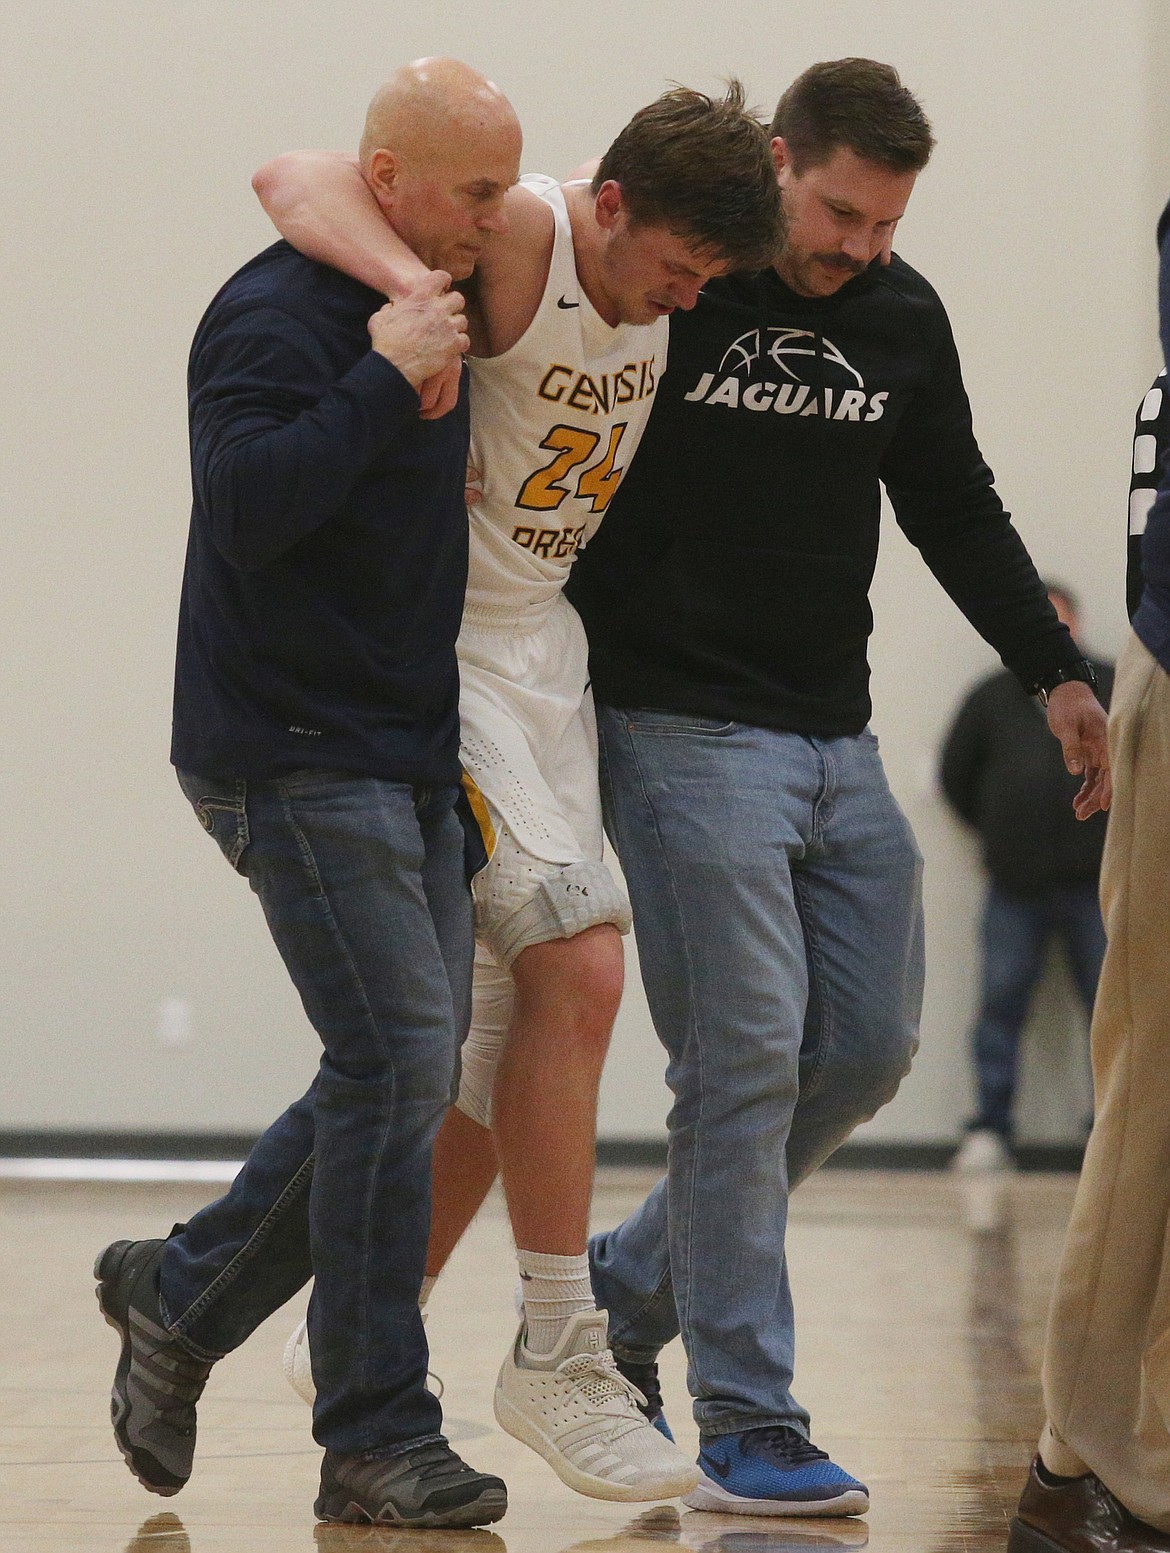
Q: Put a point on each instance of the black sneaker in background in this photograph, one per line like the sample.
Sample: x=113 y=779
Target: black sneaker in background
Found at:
x=427 y=1485
x=158 y=1381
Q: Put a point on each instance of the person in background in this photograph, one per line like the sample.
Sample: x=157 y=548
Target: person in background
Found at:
x=1003 y=774
x=1100 y=1480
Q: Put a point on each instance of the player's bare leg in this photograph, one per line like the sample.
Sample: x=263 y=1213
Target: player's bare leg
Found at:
x=559 y=1390
x=461 y=1177
x=545 y=1099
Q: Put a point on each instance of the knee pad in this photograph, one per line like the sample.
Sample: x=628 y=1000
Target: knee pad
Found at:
x=492 y=995
x=563 y=903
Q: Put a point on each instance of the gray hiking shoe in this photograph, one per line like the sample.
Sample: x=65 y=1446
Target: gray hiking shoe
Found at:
x=426 y=1486
x=157 y=1382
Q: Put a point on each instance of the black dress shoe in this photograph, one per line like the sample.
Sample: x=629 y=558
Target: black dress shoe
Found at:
x=1078 y=1515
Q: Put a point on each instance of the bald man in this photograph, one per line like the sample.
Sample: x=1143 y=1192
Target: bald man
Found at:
x=316 y=734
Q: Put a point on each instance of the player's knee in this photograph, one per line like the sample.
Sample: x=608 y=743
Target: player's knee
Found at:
x=601 y=973
x=563 y=905
x=598 y=976
x=568 y=992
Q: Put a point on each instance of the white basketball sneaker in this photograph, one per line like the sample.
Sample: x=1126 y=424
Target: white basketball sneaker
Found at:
x=297 y=1365
x=575 y=1408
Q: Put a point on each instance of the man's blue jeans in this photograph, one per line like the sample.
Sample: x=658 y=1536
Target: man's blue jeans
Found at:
x=776 y=889
x=1016 y=931
x=363 y=884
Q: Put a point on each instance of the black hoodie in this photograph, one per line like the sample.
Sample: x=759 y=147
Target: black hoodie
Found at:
x=732 y=573
x=1004 y=774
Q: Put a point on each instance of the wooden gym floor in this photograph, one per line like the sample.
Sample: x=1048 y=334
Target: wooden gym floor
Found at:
x=920 y=1312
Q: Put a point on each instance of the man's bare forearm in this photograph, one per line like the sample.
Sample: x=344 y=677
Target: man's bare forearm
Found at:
x=320 y=203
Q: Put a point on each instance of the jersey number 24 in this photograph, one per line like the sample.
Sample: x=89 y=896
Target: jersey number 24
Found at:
x=543 y=490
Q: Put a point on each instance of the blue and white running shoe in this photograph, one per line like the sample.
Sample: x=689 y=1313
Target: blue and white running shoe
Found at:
x=773 y=1471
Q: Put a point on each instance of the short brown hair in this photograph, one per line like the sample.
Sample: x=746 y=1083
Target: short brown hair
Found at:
x=859 y=104
x=702 y=167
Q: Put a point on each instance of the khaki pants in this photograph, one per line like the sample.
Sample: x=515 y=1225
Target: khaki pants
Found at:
x=1107 y=1359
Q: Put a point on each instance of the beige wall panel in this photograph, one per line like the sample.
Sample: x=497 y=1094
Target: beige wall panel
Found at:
x=138 y=986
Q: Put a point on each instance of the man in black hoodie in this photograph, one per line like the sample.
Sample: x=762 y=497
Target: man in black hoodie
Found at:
x=1002 y=773
x=775 y=882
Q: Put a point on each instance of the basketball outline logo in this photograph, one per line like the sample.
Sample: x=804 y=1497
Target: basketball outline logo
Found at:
x=742 y=354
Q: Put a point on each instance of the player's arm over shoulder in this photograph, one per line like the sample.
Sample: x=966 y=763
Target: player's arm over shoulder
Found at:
x=513 y=270
x=320 y=202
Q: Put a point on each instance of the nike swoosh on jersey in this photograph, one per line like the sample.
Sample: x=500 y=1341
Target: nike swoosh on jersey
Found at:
x=564 y=302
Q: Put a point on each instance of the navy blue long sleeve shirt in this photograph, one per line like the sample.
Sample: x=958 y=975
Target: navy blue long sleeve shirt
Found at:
x=1152 y=620
x=327 y=558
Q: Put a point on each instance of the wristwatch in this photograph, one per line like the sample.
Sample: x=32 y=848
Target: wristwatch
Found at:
x=1082 y=670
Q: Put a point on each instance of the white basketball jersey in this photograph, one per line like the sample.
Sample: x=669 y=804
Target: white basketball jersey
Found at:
x=554 y=422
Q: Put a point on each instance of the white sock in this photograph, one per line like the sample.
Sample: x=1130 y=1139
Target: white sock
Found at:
x=424 y=1293
x=555 y=1289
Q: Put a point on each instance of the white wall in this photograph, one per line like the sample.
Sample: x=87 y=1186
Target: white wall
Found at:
x=130 y=130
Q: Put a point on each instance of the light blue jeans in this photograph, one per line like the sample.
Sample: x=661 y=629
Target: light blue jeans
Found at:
x=776 y=889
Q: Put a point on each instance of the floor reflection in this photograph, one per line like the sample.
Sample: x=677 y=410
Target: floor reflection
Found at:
x=985 y=1201
x=663 y=1527
x=699 y=1531
x=336 y=1538
x=1006 y=1387
x=757 y=1534
x=160 y=1534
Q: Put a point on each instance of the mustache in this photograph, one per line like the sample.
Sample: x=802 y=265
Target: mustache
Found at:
x=840 y=261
